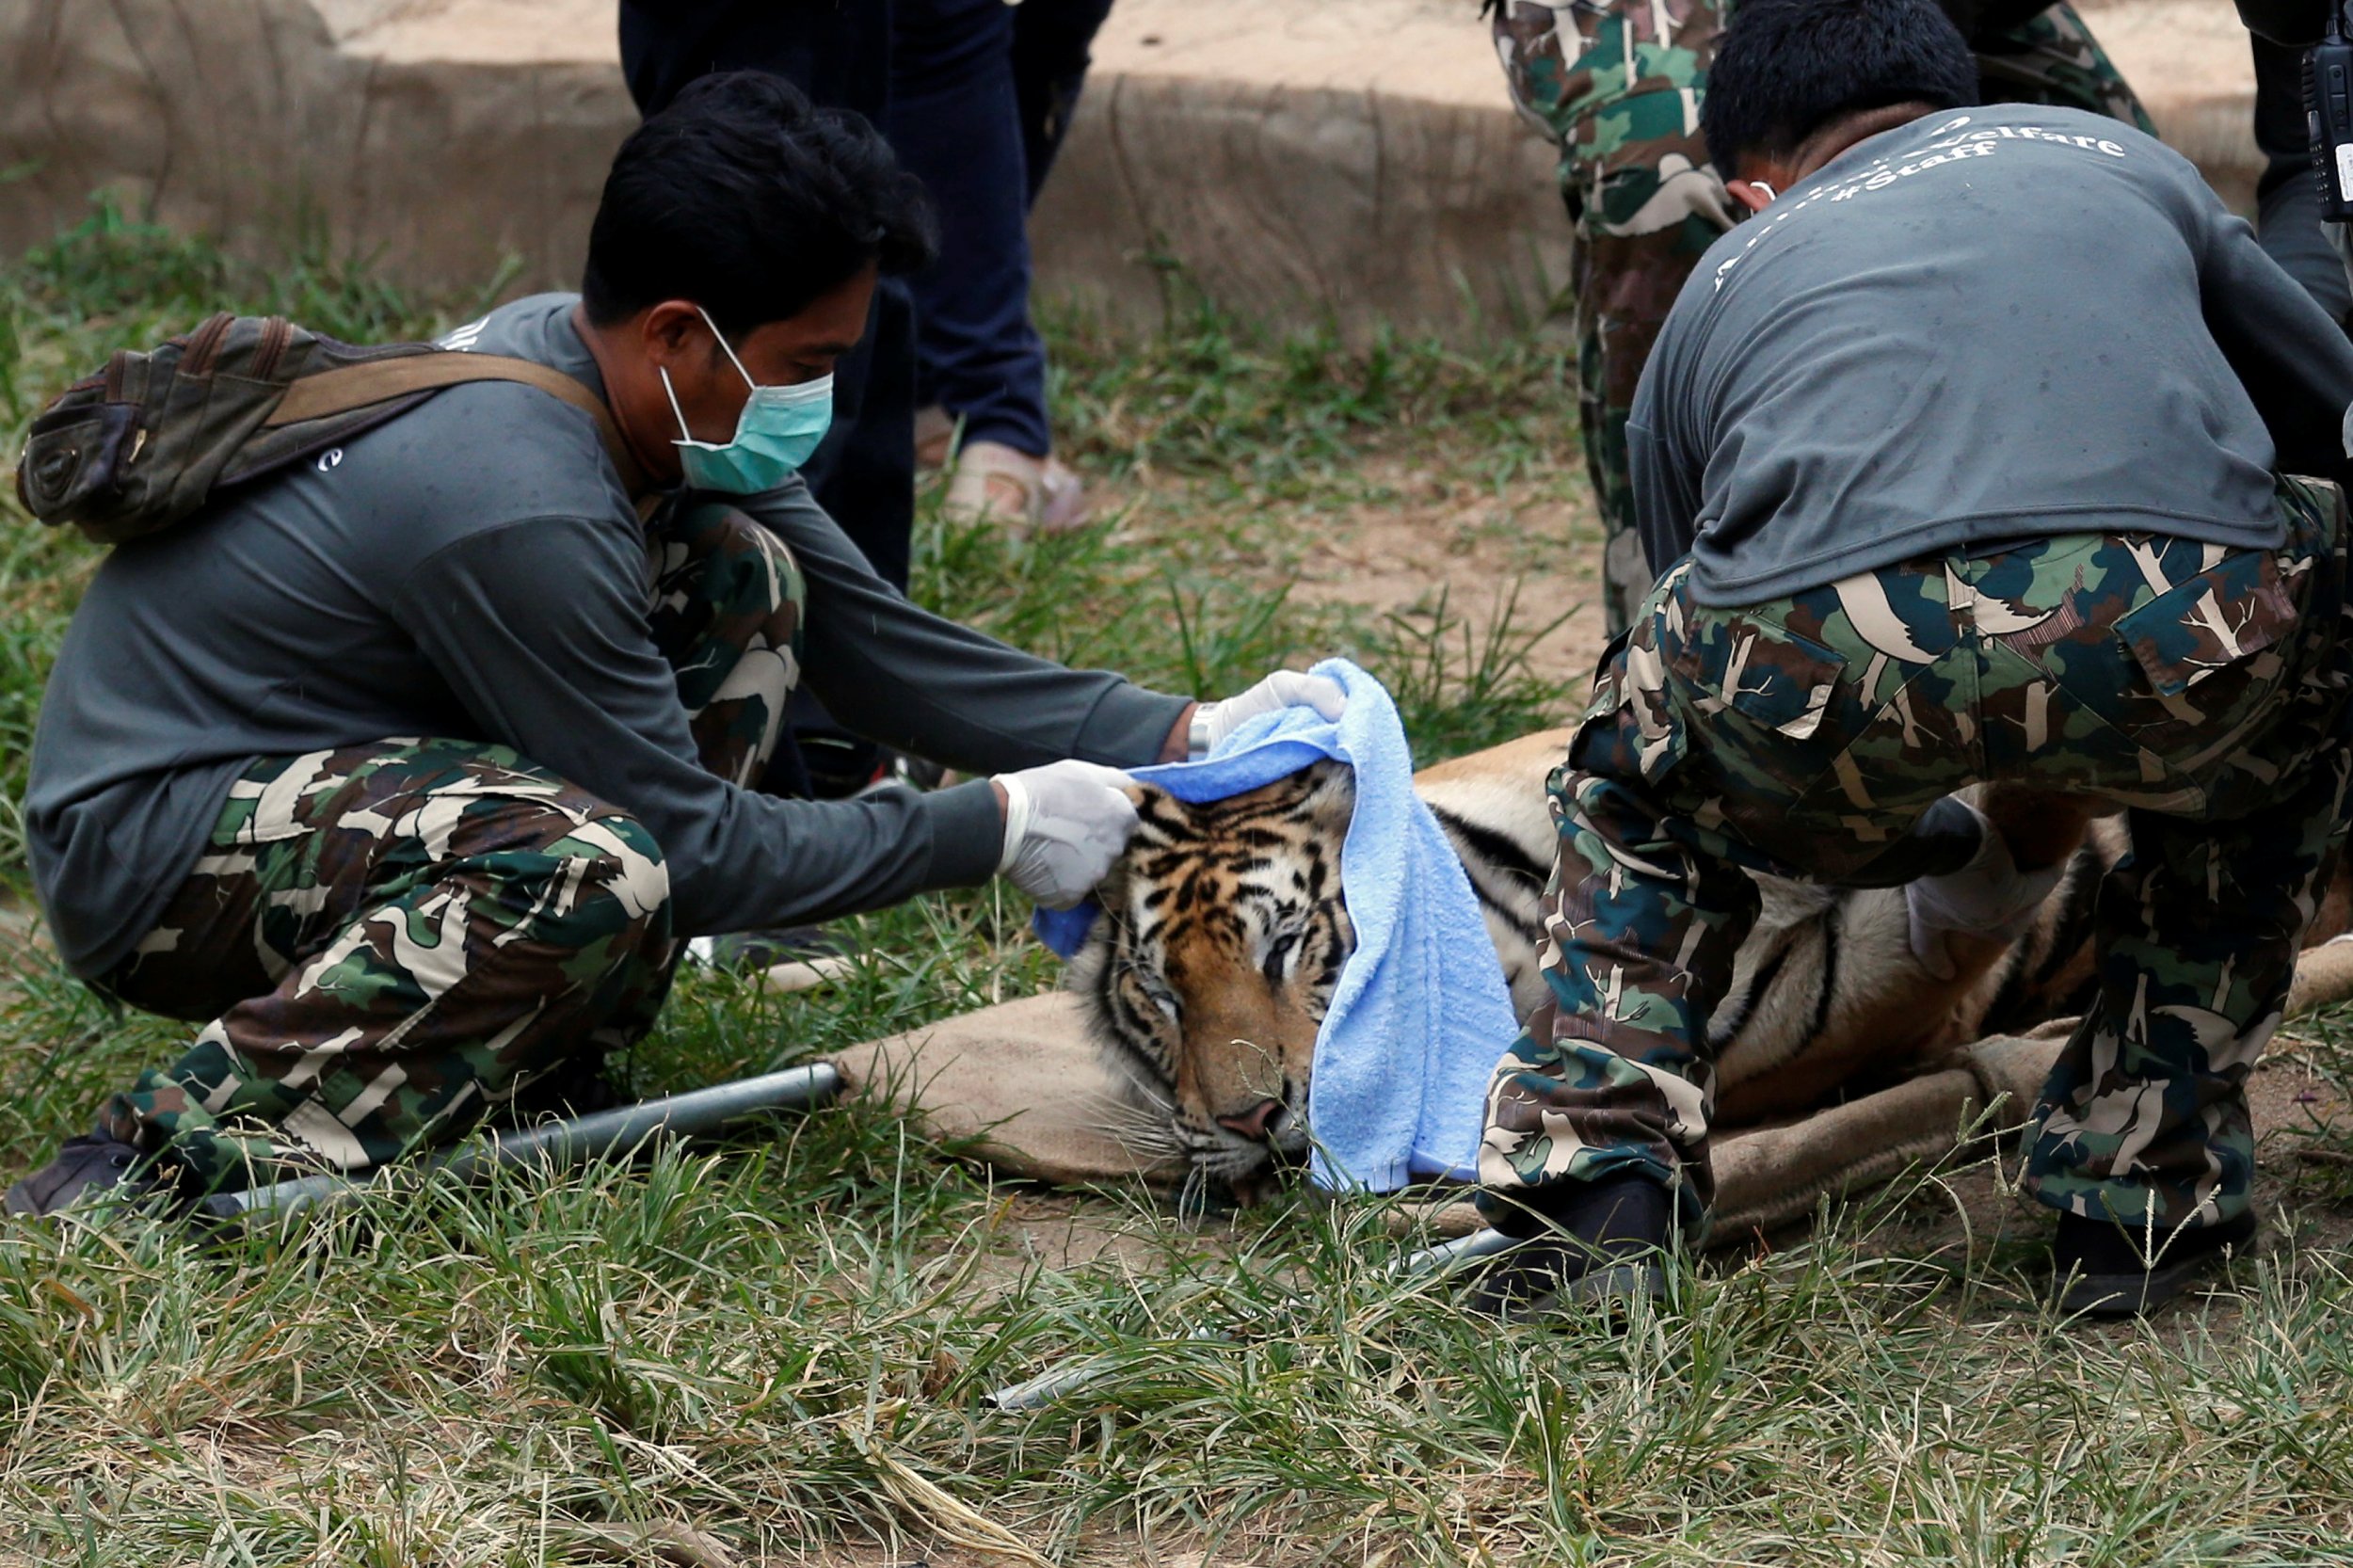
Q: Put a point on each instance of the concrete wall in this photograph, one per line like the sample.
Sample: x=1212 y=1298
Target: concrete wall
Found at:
x=1354 y=162
x=246 y=119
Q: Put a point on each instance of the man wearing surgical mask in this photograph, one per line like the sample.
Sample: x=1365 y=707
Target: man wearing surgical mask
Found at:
x=402 y=774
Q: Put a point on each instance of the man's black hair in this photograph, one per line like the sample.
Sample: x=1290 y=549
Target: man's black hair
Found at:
x=1788 y=67
x=746 y=198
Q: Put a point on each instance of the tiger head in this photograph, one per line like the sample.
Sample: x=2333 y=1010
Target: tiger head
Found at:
x=1221 y=937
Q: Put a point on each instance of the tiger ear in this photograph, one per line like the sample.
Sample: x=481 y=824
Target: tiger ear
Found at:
x=1330 y=804
x=1112 y=893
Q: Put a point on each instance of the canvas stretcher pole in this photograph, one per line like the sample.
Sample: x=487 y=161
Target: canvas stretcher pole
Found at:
x=697 y=1113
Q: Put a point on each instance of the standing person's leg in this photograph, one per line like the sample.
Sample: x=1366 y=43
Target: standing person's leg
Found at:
x=1052 y=39
x=1620 y=99
x=837 y=54
x=2144 y=1120
x=2288 y=221
x=863 y=474
x=2053 y=58
x=955 y=122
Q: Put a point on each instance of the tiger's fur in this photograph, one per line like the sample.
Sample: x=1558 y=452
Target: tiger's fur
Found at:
x=1223 y=934
x=1221 y=937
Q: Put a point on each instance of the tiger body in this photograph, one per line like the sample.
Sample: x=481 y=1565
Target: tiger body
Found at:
x=1224 y=933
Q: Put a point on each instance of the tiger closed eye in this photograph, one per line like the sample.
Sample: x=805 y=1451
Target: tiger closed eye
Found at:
x=1163 y=999
x=1278 y=955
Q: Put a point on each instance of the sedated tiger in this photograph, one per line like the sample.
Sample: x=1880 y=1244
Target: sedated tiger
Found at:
x=1224 y=933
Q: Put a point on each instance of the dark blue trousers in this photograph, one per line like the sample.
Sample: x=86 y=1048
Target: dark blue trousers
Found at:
x=980 y=95
x=839 y=52
x=2287 y=202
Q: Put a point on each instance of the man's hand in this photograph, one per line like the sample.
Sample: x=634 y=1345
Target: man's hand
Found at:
x=1212 y=722
x=1064 y=825
x=1990 y=898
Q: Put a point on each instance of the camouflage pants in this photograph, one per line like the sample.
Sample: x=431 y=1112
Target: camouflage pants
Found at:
x=385 y=942
x=1617 y=84
x=2203 y=691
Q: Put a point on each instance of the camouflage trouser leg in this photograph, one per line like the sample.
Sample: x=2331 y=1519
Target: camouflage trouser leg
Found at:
x=2145 y=1117
x=2053 y=58
x=726 y=614
x=1617 y=86
x=2204 y=690
x=391 y=939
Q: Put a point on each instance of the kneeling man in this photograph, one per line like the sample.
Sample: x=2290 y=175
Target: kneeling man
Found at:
x=405 y=773
x=1969 y=451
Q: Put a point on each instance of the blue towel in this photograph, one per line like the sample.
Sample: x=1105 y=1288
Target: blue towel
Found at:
x=1420 y=1014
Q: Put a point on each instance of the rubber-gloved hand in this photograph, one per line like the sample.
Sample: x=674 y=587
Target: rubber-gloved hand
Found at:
x=1213 y=721
x=1989 y=897
x=1064 y=825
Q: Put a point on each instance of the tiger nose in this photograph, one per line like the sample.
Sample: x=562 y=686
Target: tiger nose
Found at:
x=1256 y=1121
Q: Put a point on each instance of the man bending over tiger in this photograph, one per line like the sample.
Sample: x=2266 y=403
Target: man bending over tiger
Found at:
x=1969 y=451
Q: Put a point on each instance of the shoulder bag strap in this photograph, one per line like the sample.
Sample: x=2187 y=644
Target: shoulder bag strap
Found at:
x=352 y=386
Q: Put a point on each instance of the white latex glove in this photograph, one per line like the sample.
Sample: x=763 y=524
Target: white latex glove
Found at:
x=1989 y=897
x=1213 y=721
x=1064 y=825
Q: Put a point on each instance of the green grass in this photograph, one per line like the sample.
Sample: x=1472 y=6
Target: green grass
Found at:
x=784 y=1343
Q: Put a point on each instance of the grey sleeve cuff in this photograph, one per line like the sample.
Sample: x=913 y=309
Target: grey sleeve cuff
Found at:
x=1128 y=727
x=967 y=835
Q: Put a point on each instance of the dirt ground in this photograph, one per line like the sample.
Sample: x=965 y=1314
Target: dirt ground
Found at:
x=1472 y=543
x=1975 y=1207
x=1431 y=534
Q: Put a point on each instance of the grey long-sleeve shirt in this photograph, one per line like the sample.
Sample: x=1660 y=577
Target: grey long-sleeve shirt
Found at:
x=473 y=569
x=1986 y=324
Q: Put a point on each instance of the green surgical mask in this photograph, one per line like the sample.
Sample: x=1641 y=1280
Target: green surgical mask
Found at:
x=778 y=431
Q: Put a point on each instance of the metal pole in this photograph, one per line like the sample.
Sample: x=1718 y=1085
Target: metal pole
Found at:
x=699 y=1112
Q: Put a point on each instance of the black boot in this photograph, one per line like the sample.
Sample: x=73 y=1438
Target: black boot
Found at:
x=88 y=1172
x=2112 y=1269
x=1607 y=1248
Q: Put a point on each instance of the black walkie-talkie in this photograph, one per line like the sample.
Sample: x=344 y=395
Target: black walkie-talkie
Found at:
x=2328 y=106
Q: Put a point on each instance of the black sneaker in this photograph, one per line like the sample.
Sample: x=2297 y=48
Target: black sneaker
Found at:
x=1606 y=1250
x=89 y=1172
x=577 y=1086
x=765 y=949
x=786 y=959
x=2104 y=1268
x=915 y=772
